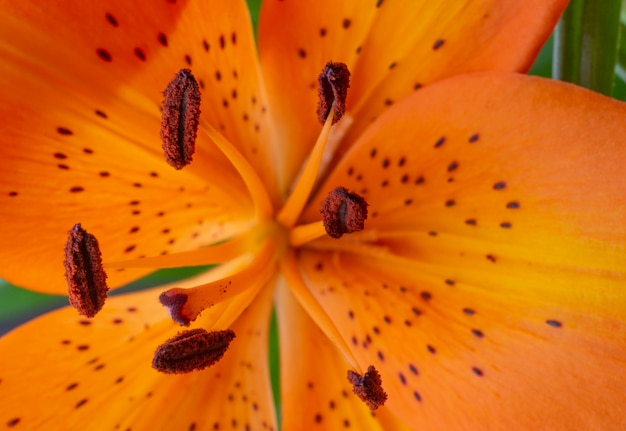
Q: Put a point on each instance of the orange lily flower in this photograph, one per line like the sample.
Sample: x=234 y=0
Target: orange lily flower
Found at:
x=486 y=288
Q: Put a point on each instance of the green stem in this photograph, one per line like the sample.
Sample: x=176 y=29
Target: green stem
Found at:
x=586 y=44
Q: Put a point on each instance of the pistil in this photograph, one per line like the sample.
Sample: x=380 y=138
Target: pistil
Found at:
x=247 y=272
x=333 y=89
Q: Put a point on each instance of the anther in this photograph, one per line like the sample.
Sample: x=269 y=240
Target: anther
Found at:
x=343 y=212
x=368 y=387
x=191 y=350
x=180 y=119
x=334 y=82
x=86 y=279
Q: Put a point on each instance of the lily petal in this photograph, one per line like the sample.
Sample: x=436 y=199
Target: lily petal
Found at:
x=496 y=247
x=99 y=370
x=390 y=50
x=311 y=366
x=452 y=356
x=529 y=164
x=81 y=110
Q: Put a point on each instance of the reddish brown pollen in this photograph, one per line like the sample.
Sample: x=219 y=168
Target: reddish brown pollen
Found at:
x=343 y=212
x=334 y=82
x=180 y=119
x=368 y=387
x=191 y=350
x=86 y=279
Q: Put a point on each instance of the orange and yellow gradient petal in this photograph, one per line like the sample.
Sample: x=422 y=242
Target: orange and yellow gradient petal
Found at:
x=312 y=367
x=99 y=368
x=391 y=50
x=82 y=88
x=495 y=243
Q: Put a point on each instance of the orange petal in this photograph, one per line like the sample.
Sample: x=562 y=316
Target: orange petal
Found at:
x=469 y=355
x=74 y=373
x=389 y=48
x=527 y=163
x=315 y=390
x=492 y=283
x=81 y=88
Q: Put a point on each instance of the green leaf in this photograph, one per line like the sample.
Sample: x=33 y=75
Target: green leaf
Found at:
x=543 y=63
x=620 y=69
x=254 y=6
x=586 y=44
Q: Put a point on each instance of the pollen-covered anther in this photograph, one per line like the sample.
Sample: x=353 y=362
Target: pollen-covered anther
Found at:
x=334 y=82
x=86 y=279
x=180 y=119
x=343 y=212
x=191 y=350
x=368 y=387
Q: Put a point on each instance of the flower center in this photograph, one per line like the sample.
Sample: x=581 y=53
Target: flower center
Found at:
x=248 y=261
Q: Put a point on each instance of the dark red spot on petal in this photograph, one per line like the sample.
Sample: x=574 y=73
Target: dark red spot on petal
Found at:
x=554 y=323
x=104 y=55
x=112 y=20
x=140 y=54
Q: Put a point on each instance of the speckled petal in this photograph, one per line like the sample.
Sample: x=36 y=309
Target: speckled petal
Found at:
x=81 y=89
x=494 y=261
x=390 y=48
x=315 y=391
x=97 y=373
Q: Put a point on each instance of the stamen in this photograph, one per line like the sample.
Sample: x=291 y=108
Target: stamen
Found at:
x=256 y=188
x=368 y=387
x=226 y=251
x=86 y=279
x=335 y=94
x=180 y=118
x=300 y=194
x=302 y=234
x=185 y=305
x=343 y=212
x=191 y=350
x=290 y=270
x=334 y=82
